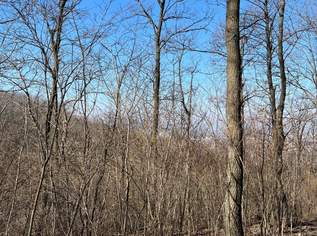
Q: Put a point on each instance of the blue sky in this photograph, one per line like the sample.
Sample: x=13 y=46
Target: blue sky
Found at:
x=212 y=78
x=213 y=72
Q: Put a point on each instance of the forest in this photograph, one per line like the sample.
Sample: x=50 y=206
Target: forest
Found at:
x=158 y=117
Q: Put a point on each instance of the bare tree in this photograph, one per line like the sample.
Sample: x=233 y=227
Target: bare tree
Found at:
x=233 y=200
x=163 y=36
x=276 y=106
x=80 y=153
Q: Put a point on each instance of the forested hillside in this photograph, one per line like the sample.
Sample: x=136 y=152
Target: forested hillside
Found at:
x=158 y=117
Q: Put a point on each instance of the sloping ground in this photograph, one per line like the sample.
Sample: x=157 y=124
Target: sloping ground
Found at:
x=304 y=228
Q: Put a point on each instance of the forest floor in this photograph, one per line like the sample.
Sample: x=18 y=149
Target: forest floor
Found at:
x=304 y=228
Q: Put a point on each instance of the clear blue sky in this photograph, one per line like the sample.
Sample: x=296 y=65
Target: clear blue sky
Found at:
x=216 y=77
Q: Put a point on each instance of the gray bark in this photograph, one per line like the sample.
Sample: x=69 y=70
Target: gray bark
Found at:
x=233 y=199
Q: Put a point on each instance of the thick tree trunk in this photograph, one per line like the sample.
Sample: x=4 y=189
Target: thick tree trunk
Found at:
x=233 y=199
x=278 y=132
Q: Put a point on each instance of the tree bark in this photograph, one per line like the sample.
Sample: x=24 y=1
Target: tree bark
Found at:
x=277 y=106
x=278 y=132
x=157 y=79
x=233 y=199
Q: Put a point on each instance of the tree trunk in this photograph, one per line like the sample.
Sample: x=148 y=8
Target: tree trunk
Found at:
x=157 y=79
x=156 y=92
x=233 y=199
x=278 y=132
